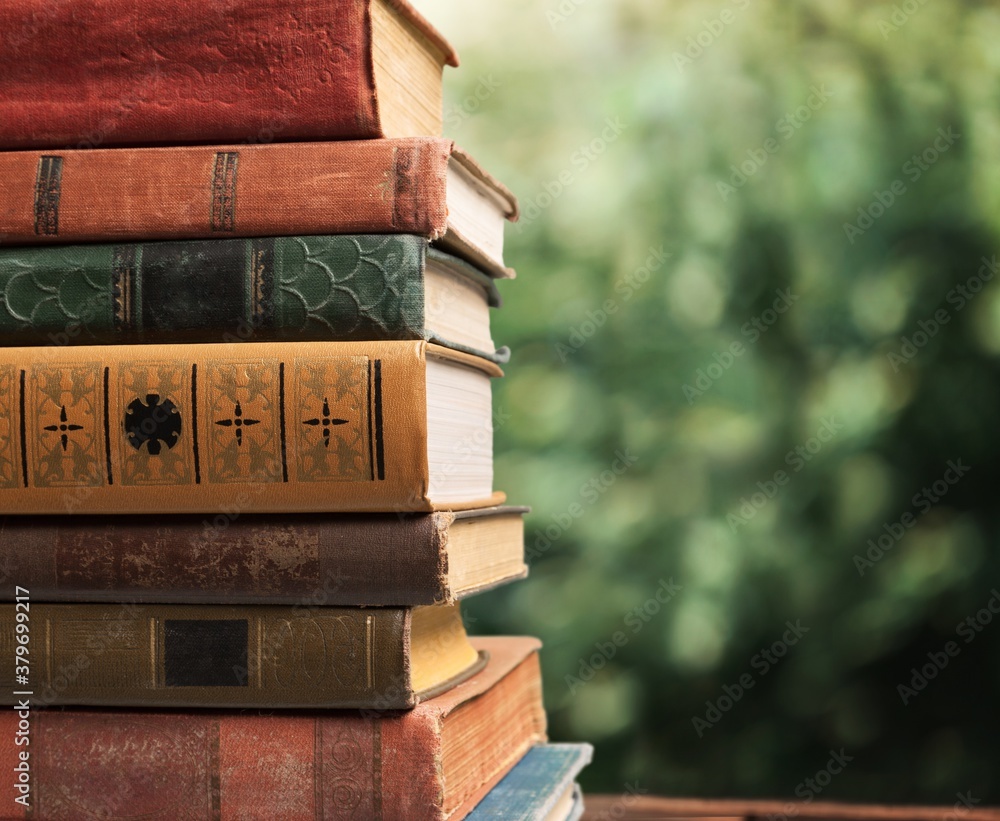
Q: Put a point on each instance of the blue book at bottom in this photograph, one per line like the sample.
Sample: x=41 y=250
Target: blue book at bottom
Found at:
x=541 y=787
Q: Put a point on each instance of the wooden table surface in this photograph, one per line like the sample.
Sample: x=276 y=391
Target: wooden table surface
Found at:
x=649 y=808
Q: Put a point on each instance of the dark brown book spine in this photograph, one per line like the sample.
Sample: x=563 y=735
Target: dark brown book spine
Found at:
x=227 y=558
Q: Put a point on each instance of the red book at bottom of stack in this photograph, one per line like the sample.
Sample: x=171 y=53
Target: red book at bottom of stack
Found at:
x=433 y=762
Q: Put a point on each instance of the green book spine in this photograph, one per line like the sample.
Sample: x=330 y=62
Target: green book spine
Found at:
x=351 y=288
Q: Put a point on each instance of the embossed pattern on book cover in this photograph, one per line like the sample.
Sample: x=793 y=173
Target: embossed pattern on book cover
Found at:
x=159 y=422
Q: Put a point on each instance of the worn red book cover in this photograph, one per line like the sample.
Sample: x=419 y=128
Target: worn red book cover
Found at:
x=436 y=761
x=425 y=186
x=88 y=73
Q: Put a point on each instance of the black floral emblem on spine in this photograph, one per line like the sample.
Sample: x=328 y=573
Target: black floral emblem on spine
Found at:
x=63 y=428
x=152 y=424
x=238 y=422
x=326 y=422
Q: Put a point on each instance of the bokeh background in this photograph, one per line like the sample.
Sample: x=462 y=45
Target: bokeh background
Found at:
x=683 y=167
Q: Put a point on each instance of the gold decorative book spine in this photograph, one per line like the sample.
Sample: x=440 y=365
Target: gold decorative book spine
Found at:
x=210 y=655
x=218 y=429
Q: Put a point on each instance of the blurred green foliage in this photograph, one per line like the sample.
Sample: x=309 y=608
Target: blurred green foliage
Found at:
x=808 y=112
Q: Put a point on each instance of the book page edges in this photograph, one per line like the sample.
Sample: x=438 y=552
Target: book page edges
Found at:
x=498 y=498
x=482 y=659
x=505 y=652
x=491 y=585
x=426 y=29
x=491 y=369
x=492 y=185
x=493 y=511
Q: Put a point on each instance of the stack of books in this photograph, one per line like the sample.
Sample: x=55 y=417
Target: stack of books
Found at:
x=246 y=442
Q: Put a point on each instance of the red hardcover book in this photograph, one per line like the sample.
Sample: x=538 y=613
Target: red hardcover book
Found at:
x=426 y=186
x=88 y=73
x=436 y=761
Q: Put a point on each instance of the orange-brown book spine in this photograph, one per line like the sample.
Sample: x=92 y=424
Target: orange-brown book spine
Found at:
x=226 y=428
x=372 y=186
